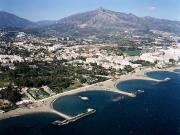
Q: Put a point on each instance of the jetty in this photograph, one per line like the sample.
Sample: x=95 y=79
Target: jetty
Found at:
x=161 y=81
x=75 y=118
x=122 y=92
x=126 y=93
x=67 y=117
x=166 y=79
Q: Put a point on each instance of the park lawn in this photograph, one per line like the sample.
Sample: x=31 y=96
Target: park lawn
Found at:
x=133 y=52
x=76 y=84
x=1 y=83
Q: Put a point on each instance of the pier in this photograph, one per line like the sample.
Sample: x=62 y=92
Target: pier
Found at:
x=157 y=80
x=73 y=119
x=165 y=80
x=122 y=92
x=125 y=93
x=67 y=117
x=161 y=81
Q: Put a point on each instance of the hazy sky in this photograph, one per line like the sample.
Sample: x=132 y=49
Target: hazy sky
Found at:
x=56 y=9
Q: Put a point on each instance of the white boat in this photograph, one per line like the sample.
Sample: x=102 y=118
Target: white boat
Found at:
x=83 y=98
x=140 y=91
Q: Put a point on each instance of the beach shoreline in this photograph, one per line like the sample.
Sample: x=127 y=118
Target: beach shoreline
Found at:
x=45 y=105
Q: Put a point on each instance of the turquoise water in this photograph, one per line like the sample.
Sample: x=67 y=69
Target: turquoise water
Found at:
x=154 y=112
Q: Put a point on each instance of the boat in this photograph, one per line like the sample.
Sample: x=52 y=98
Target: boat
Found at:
x=84 y=98
x=140 y=91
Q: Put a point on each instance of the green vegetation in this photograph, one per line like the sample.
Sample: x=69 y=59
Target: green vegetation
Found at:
x=2 y=83
x=57 y=76
x=38 y=93
x=115 y=50
x=172 y=61
x=144 y=63
x=11 y=94
x=131 y=51
x=128 y=68
x=98 y=70
x=7 y=108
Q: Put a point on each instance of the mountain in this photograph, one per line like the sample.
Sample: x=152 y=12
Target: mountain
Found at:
x=161 y=24
x=45 y=22
x=103 y=20
x=10 y=20
x=99 y=21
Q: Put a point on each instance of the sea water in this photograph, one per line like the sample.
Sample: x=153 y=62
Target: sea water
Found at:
x=154 y=112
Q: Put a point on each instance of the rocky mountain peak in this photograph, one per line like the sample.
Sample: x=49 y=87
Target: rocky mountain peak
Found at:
x=101 y=9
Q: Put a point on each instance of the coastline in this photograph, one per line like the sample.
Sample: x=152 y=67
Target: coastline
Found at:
x=45 y=105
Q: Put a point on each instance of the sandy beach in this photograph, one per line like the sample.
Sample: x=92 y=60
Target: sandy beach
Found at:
x=44 y=105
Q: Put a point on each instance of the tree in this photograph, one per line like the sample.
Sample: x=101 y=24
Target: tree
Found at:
x=128 y=68
x=172 y=61
x=11 y=94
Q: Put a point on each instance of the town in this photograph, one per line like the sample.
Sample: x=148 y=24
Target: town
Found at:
x=34 y=67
